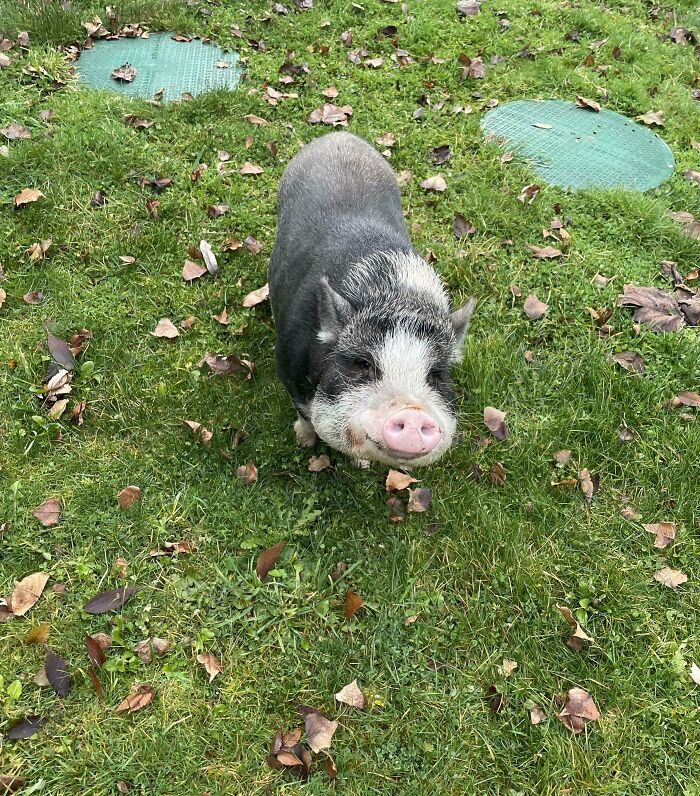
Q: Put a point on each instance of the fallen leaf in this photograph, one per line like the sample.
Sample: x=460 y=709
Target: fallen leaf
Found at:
x=396 y=481
x=578 y=710
x=250 y=168
x=208 y=257
x=216 y=211
x=197 y=172
x=9 y=783
x=132 y=120
x=534 y=308
x=695 y=673
x=211 y=663
x=542 y=126
x=588 y=484
x=330 y=114
x=255 y=297
x=247 y=472
x=38 y=634
x=654 y=307
x=48 y=512
x=34 y=297
x=630 y=360
x=26 y=196
x=267 y=559
x=436 y=183
x=494 y=419
x=625 y=433
x=508 y=667
x=141 y=695
x=419 y=499
x=353 y=602
x=192 y=270
x=537 y=715
x=319 y=463
x=25 y=728
x=16 y=132
x=497 y=474
x=665 y=533
x=253 y=119
x=331 y=768
x=165 y=328
x=652 y=117
x=319 y=728
x=3 y=296
x=670 y=577
x=693 y=176
x=170 y=548
x=27 y=591
x=128 y=496
x=528 y=193
x=589 y=104
x=461 y=227
x=562 y=457
x=687 y=398
x=57 y=673
x=221 y=365
x=543 y=252
x=578 y=634
x=110 y=600
x=95 y=650
x=254 y=246
x=199 y=431
x=124 y=73
x=468 y=8
x=351 y=695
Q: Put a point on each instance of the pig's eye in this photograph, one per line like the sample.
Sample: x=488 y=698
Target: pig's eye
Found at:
x=435 y=376
x=363 y=367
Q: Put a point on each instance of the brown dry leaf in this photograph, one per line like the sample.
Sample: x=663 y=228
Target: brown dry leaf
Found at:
x=48 y=512
x=250 y=168
x=26 y=196
x=461 y=227
x=319 y=463
x=588 y=484
x=255 y=297
x=468 y=8
x=396 y=481
x=693 y=176
x=419 y=499
x=253 y=119
x=507 y=667
x=686 y=398
x=216 y=211
x=57 y=673
x=590 y=104
x=128 y=496
x=33 y=297
x=192 y=270
x=670 y=577
x=3 y=296
x=497 y=474
x=578 y=710
x=537 y=715
x=199 y=431
x=534 y=308
x=211 y=663
x=247 y=472
x=140 y=696
x=630 y=360
x=654 y=307
x=170 y=548
x=267 y=559
x=330 y=114
x=543 y=252
x=38 y=634
x=197 y=172
x=15 y=132
x=165 y=328
x=9 y=783
x=351 y=695
x=528 y=193
x=652 y=117
x=353 y=602
x=96 y=646
x=494 y=419
x=110 y=600
x=397 y=508
x=578 y=634
x=132 y=120
x=319 y=728
x=27 y=591
x=562 y=457
x=436 y=183
x=665 y=533
x=221 y=365
x=124 y=73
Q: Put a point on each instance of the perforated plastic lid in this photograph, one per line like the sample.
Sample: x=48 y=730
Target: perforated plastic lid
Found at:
x=579 y=148
x=160 y=62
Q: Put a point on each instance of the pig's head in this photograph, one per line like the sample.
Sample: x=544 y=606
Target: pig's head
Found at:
x=385 y=392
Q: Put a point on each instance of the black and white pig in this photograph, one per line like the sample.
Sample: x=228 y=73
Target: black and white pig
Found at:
x=364 y=333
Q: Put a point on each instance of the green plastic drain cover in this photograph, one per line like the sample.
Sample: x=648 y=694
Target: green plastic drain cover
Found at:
x=578 y=148
x=160 y=62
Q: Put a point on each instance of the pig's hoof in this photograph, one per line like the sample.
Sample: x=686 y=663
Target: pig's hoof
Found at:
x=305 y=434
x=363 y=464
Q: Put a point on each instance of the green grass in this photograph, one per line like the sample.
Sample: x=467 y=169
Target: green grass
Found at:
x=486 y=584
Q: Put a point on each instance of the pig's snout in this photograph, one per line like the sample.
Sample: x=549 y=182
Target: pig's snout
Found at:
x=410 y=432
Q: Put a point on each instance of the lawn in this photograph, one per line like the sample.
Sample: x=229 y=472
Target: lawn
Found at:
x=449 y=593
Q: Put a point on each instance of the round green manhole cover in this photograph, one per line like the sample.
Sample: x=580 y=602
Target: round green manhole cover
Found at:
x=578 y=148
x=160 y=62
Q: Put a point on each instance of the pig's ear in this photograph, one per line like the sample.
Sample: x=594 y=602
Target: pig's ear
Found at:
x=334 y=312
x=460 y=322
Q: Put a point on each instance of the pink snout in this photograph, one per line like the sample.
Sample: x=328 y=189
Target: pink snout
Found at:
x=411 y=432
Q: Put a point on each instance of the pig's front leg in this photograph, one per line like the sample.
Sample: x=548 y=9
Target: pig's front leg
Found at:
x=304 y=432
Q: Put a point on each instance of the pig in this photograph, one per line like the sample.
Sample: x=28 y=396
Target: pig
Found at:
x=364 y=334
